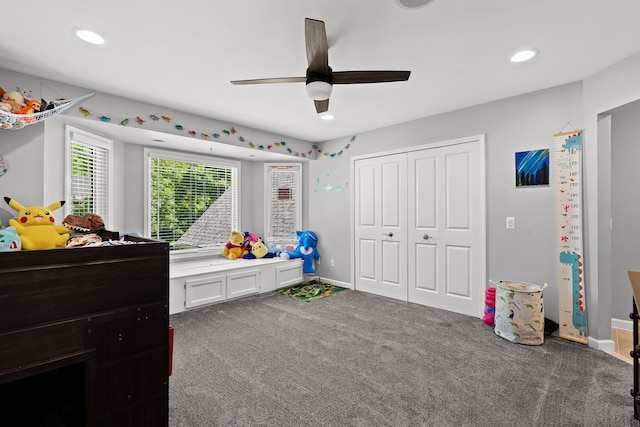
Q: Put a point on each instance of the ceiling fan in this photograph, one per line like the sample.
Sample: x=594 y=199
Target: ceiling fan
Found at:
x=320 y=77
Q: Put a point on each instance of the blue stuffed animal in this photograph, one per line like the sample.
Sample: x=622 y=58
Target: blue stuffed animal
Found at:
x=306 y=249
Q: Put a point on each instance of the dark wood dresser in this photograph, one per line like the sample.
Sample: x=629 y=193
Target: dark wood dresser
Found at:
x=84 y=336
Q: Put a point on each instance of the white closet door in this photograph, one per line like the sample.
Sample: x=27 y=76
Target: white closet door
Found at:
x=446 y=227
x=380 y=197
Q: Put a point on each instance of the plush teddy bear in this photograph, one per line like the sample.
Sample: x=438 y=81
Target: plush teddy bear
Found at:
x=306 y=249
x=235 y=246
x=36 y=226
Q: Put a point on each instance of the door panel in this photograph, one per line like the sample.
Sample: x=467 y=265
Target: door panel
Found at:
x=390 y=200
x=367 y=253
x=445 y=228
x=380 y=194
x=458 y=184
x=367 y=193
x=425 y=170
x=426 y=269
x=391 y=266
x=458 y=271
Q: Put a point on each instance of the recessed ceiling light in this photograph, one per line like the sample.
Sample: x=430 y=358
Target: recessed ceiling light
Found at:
x=326 y=116
x=523 y=55
x=88 y=36
x=413 y=4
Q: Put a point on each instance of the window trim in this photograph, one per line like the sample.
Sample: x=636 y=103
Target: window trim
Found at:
x=191 y=158
x=96 y=141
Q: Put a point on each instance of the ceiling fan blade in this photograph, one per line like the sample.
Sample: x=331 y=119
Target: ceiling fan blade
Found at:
x=315 y=37
x=272 y=80
x=322 y=106
x=352 y=77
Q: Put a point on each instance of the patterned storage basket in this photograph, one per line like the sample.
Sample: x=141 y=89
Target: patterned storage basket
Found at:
x=519 y=315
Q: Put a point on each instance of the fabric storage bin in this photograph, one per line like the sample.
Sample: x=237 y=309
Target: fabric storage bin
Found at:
x=519 y=315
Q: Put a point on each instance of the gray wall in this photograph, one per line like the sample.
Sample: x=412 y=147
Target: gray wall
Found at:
x=527 y=253
x=625 y=204
x=603 y=92
x=23 y=182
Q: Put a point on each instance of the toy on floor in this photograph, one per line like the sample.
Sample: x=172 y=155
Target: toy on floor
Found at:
x=36 y=226
x=306 y=249
x=490 y=307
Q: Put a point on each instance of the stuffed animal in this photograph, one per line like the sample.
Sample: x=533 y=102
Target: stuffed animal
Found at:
x=306 y=249
x=88 y=223
x=235 y=246
x=249 y=237
x=9 y=240
x=15 y=99
x=258 y=250
x=26 y=93
x=36 y=226
x=31 y=107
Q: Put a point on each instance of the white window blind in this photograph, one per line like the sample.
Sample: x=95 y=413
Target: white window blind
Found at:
x=283 y=202
x=88 y=172
x=193 y=201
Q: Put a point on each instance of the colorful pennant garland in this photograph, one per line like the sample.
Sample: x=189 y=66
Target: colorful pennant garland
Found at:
x=280 y=145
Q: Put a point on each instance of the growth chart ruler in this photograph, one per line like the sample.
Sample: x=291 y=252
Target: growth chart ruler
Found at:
x=571 y=284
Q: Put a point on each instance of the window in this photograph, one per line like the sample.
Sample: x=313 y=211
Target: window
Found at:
x=192 y=201
x=88 y=181
x=283 y=202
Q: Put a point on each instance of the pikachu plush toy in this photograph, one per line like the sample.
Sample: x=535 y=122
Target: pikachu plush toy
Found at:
x=36 y=226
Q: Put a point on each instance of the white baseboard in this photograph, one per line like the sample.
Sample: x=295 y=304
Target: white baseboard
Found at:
x=336 y=282
x=625 y=325
x=607 y=346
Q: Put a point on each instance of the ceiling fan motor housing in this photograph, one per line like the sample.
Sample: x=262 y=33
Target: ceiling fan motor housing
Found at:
x=318 y=85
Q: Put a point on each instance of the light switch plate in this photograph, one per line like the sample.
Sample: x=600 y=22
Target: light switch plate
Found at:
x=511 y=222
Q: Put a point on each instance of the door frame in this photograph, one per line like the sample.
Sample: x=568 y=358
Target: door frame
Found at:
x=480 y=139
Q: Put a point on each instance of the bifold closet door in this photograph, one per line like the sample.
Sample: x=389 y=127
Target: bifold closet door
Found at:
x=445 y=227
x=380 y=213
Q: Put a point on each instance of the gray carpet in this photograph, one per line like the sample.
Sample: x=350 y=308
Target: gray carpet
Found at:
x=357 y=359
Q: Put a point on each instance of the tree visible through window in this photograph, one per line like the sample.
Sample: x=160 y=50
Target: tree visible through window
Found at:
x=193 y=201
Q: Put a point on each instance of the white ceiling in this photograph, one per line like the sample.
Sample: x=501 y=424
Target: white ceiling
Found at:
x=184 y=54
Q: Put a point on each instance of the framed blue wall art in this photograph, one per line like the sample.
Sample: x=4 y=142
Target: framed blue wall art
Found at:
x=532 y=168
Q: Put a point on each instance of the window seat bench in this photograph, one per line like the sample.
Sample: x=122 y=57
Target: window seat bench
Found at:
x=194 y=283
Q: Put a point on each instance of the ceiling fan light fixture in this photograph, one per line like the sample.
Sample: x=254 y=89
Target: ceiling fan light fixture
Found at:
x=326 y=116
x=319 y=90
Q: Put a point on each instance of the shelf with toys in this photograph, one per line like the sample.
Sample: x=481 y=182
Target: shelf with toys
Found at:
x=18 y=109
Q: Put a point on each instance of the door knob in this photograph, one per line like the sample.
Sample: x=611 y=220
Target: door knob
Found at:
x=390 y=234
x=426 y=237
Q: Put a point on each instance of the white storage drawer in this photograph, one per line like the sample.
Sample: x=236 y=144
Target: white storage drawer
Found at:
x=288 y=274
x=243 y=282
x=202 y=290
